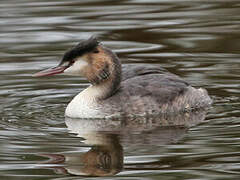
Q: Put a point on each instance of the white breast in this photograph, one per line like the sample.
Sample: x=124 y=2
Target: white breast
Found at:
x=85 y=105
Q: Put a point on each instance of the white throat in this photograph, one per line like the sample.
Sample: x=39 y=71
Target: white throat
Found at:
x=87 y=104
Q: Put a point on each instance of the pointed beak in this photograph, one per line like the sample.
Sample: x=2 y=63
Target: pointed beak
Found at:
x=49 y=72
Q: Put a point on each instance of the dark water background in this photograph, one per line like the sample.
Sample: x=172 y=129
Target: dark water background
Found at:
x=198 y=40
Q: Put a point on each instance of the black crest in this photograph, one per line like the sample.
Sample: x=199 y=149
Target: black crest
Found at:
x=81 y=48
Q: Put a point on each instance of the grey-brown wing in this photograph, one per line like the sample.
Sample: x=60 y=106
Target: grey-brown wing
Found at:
x=133 y=70
x=162 y=88
x=146 y=88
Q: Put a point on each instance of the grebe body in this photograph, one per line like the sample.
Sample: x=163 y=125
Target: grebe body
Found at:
x=134 y=90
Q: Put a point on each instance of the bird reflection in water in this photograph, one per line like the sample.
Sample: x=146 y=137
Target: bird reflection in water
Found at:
x=106 y=137
x=105 y=157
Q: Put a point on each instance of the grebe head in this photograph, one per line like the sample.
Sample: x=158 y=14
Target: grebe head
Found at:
x=89 y=59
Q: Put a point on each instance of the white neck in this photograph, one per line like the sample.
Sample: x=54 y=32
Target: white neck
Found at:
x=95 y=92
x=87 y=103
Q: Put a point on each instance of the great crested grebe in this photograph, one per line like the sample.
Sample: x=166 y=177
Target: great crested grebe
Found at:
x=135 y=90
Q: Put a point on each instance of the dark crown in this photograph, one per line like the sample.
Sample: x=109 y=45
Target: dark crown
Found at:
x=81 y=48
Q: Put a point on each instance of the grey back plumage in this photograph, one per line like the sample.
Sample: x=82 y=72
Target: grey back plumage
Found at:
x=150 y=89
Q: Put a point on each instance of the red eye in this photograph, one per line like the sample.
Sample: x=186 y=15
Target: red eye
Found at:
x=95 y=51
x=71 y=62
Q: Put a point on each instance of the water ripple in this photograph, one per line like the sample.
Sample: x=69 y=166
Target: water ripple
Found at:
x=198 y=40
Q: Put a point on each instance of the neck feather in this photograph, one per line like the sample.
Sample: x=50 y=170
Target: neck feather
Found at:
x=105 y=89
x=106 y=81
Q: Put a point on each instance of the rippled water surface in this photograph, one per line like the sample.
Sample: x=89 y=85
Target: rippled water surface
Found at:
x=198 y=40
